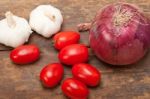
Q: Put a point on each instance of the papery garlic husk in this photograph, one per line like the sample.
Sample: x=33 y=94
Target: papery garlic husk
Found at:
x=46 y=20
x=14 y=30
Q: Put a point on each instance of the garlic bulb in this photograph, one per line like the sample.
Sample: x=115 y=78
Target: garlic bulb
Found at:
x=46 y=20
x=14 y=30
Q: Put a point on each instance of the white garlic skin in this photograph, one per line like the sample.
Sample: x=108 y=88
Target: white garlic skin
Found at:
x=16 y=36
x=42 y=24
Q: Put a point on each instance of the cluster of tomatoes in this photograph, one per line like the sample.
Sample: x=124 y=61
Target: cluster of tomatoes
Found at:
x=72 y=54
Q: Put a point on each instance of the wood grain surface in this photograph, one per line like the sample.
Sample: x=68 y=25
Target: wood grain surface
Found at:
x=22 y=82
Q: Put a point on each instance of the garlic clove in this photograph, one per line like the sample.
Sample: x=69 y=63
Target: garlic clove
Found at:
x=46 y=20
x=14 y=30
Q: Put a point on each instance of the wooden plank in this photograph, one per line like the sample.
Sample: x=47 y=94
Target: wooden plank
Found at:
x=22 y=82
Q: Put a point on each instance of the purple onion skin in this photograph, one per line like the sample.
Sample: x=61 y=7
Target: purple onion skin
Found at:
x=120 y=34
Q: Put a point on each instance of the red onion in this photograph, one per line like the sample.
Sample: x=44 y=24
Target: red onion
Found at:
x=120 y=34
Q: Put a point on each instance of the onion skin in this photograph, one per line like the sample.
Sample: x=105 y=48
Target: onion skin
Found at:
x=120 y=34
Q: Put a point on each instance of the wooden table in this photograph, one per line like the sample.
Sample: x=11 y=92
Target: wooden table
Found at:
x=22 y=82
